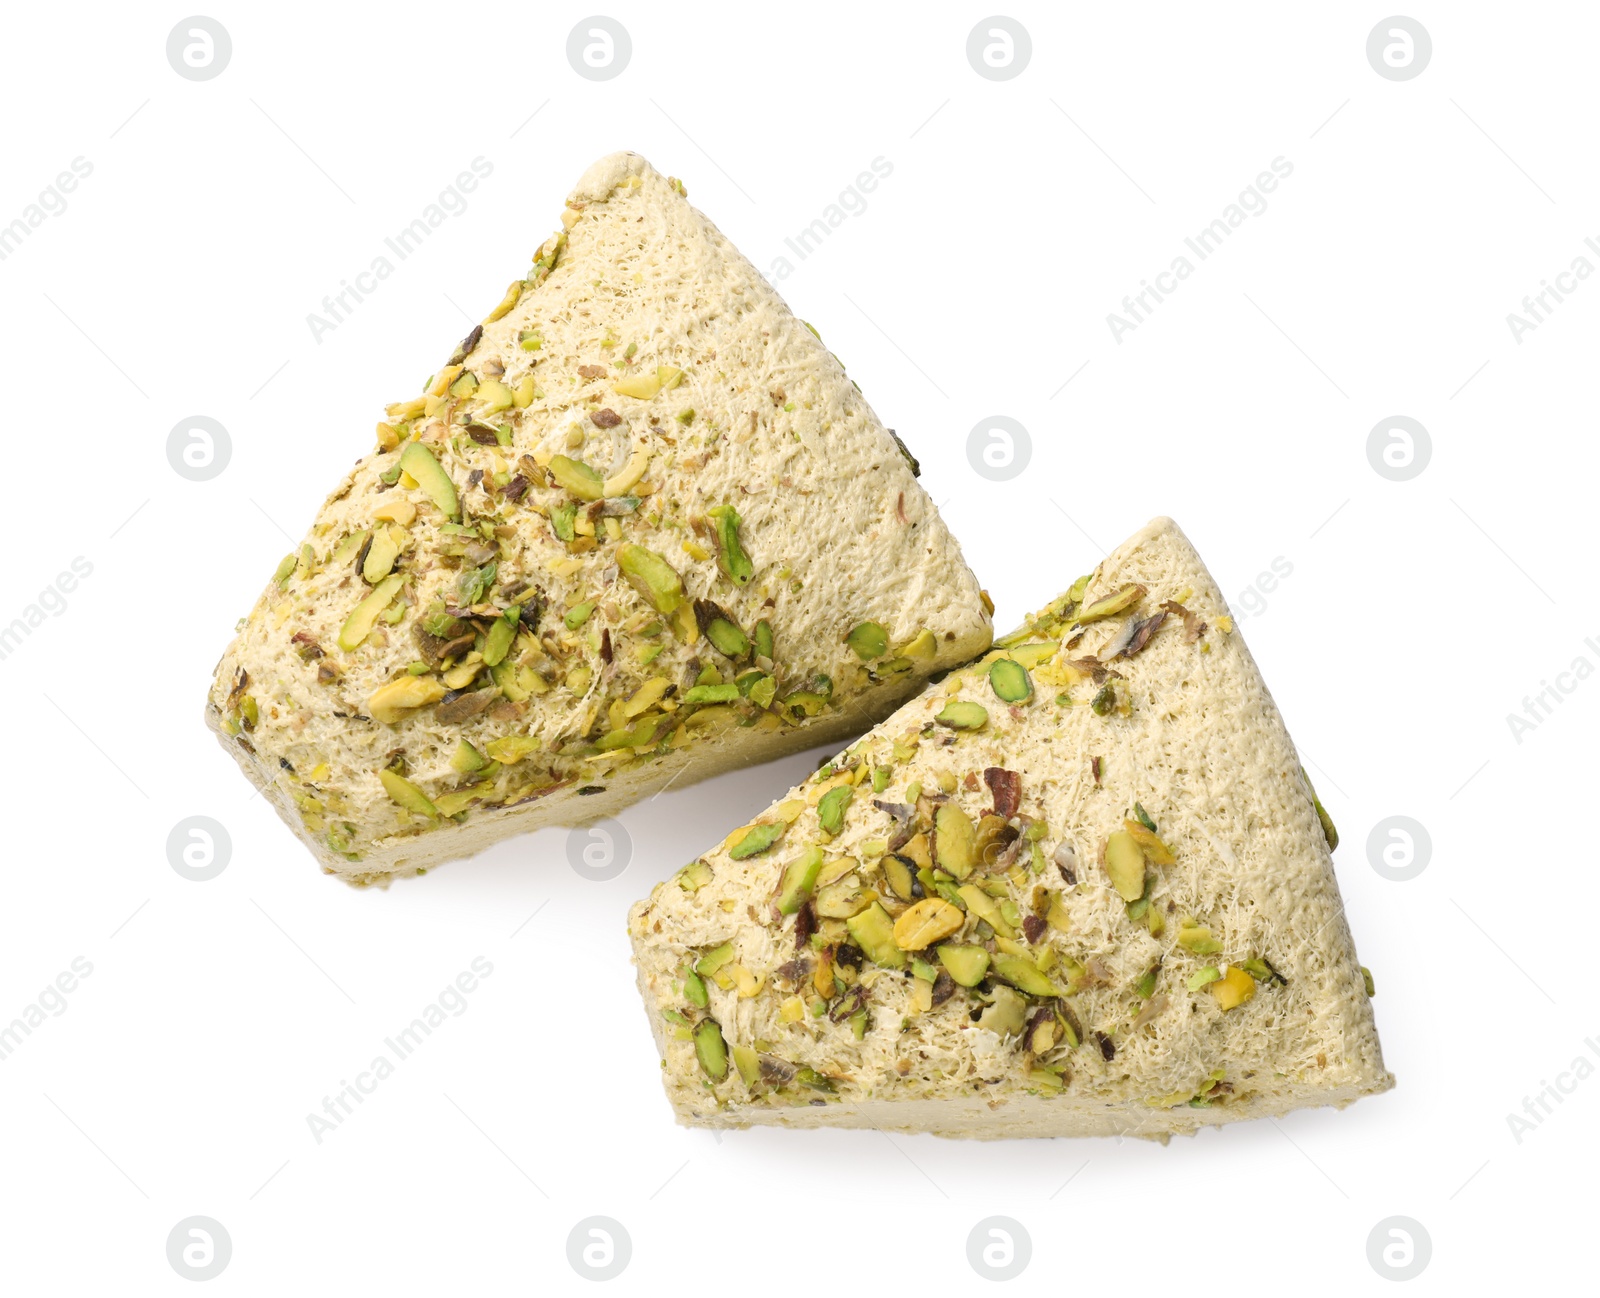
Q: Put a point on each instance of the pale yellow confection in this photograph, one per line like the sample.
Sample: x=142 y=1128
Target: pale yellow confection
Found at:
x=1080 y=887
x=640 y=528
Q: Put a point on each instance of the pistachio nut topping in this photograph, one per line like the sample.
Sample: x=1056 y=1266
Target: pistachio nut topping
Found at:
x=581 y=564
x=1002 y=914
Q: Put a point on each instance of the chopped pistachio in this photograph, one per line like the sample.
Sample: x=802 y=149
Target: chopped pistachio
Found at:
x=1198 y=939
x=407 y=794
x=961 y=715
x=511 y=748
x=869 y=640
x=398 y=699
x=1111 y=605
x=1367 y=983
x=419 y=462
x=763 y=639
x=1233 y=988
x=1201 y=977
x=513 y=293
x=926 y=922
x=652 y=576
x=710 y=1049
x=955 y=839
x=1006 y=1015
x=1009 y=680
x=285 y=570
x=728 y=693
x=466 y=758
x=1022 y=974
x=731 y=557
x=1125 y=865
x=694 y=990
x=758 y=838
x=748 y=1063
x=497 y=644
x=359 y=624
x=832 y=806
x=714 y=959
x=1155 y=851
x=577 y=477
x=873 y=932
x=799 y=877
x=577 y=615
x=727 y=638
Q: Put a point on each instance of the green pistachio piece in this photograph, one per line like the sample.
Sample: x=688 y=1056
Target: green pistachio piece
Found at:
x=968 y=965
x=805 y=703
x=1198 y=939
x=1146 y=986
x=731 y=557
x=1104 y=700
x=759 y=838
x=955 y=840
x=381 y=554
x=727 y=638
x=652 y=576
x=464 y=386
x=359 y=624
x=694 y=876
x=1125 y=865
x=694 y=990
x=868 y=640
x=466 y=758
x=799 y=877
x=562 y=517
x=873 y=932
x=497 y=644
x=961 y=715
x=578 y=615
x=714 y=959
x=1110 y=605
x=811 y=1079
x=880 y=778
x=1367 y=983
x=1010 y=681
x=1200 y=977
x=419 y=462
x=1022 y=974
x=1006 y=1015
x=728 y=693
x=577 y=477
x=407 y=794
x=511 y=748
x=285 y=570
x=639 y=735
x=763 y=691
x=711 y=1050
x=832 y=806
x=1323 y=818
x=763 y=639
x=748 y=1062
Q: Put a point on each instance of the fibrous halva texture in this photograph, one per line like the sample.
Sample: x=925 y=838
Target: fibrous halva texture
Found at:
x=1081 y=886
x=639 y=526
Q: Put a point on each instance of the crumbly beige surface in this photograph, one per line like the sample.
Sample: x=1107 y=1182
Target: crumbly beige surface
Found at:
x=1212 y=980
x=640 y=467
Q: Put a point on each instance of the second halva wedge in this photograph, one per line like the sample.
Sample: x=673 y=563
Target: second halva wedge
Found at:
x=1080 y=887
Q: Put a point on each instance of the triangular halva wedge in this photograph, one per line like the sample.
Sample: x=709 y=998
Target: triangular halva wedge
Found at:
x=1081 y=887
x=639 y=526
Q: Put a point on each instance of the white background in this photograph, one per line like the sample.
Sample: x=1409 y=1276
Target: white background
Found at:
x=977 y=281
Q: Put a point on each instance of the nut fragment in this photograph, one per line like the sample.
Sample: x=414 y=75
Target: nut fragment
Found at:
x=926 y=922
x=392 y=702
